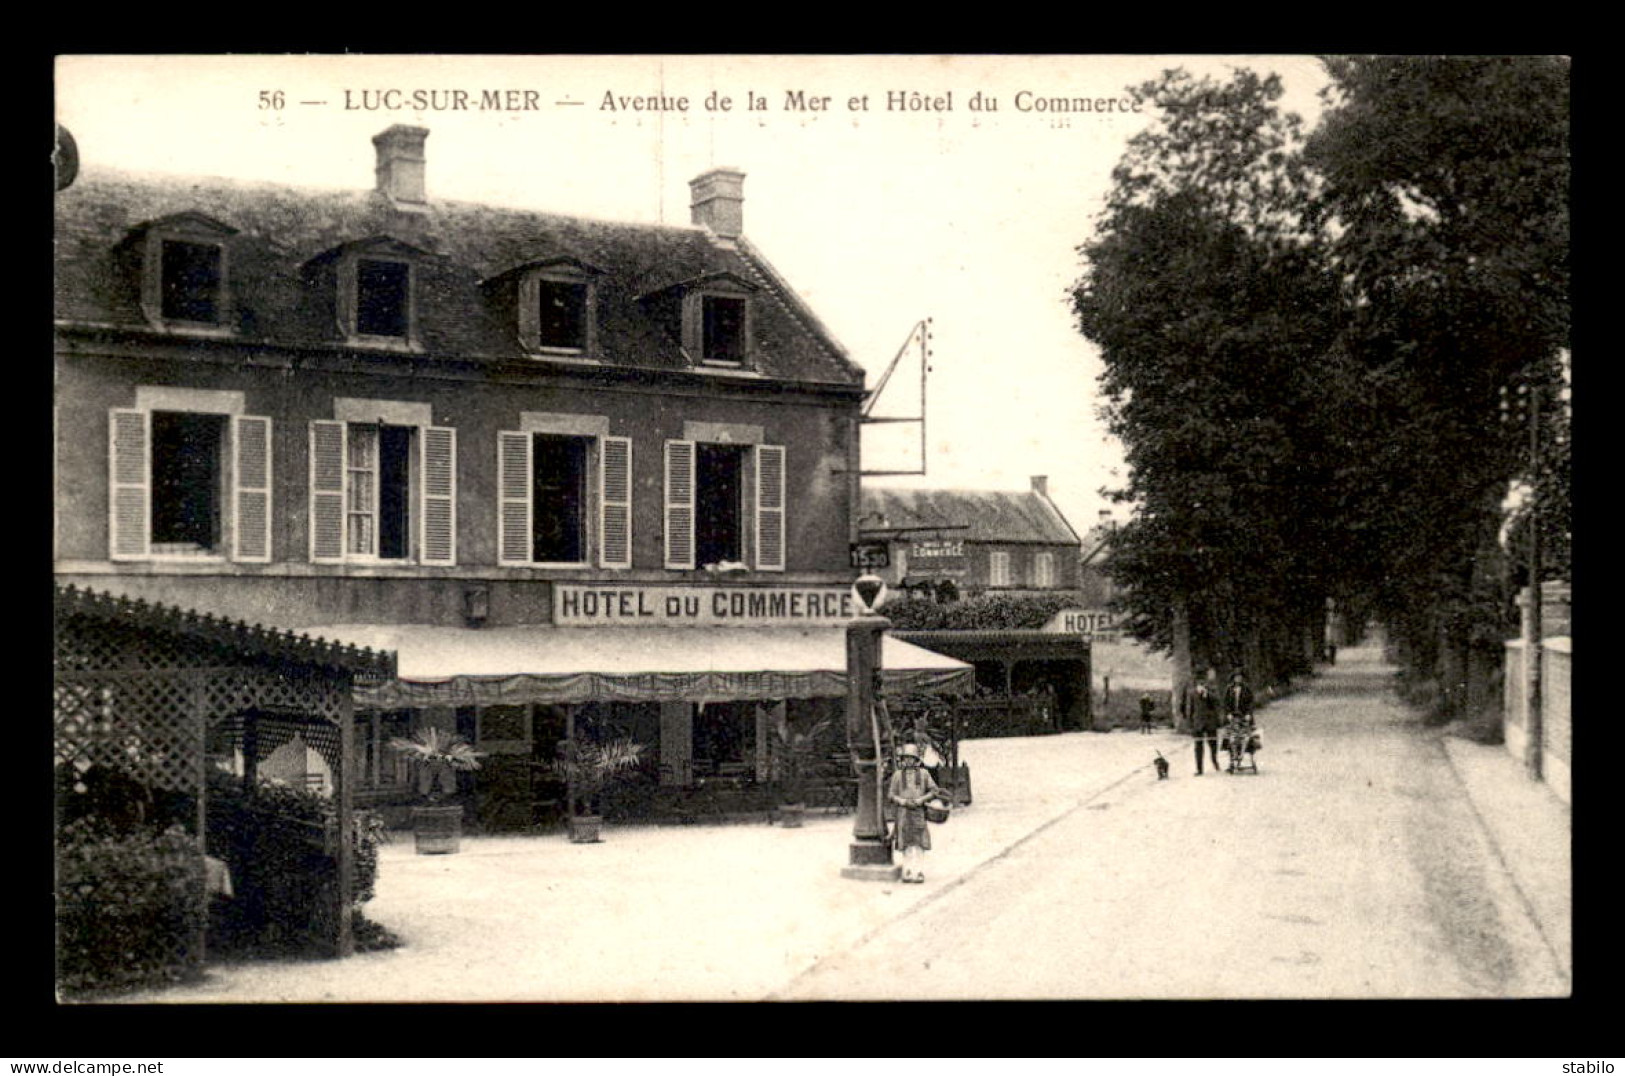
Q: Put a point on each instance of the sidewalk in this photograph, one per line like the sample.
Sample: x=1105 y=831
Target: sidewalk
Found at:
x=1531 y=831
x=732 y=912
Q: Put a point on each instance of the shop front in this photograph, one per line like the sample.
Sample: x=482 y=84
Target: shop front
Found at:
x=1034 y=681
x=700 y=676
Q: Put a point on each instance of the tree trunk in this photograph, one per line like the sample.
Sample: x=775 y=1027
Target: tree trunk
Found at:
x=1452 y=667
x=1182 y=663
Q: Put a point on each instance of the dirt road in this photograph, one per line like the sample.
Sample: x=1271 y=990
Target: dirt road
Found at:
x=1351 y=866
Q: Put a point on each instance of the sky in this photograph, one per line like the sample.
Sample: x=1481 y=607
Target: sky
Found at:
x=874 y=185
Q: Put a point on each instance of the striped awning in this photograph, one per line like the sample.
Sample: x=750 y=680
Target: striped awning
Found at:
x=441 y=666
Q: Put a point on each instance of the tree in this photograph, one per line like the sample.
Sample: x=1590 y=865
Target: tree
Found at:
x=1206 y=291
x=1445 y=184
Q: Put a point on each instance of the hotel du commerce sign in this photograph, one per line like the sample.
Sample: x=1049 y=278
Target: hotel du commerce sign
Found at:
x=598 y=605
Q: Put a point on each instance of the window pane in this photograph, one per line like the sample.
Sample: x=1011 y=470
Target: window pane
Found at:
x=360 y=495
x=394 y=491
x=562 y=314
x=381 y=298
x=363 y=445
x=559 y=499
x=724 y=329
x=186 y=481
x=719 y=498
x=190 y=281
x=361 y=536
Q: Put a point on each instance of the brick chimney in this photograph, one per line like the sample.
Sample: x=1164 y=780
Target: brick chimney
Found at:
x=717 y=200
x=1041 y=484
x=401 y=165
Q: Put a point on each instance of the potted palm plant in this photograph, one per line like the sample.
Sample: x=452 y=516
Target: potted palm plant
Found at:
x=438 y=757
x=793 y=749
x=587 y=769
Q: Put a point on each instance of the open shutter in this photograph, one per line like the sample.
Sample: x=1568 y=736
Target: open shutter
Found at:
x=251 y=489
x=438 y=543
x=615 y=502
x=770 y=508
x=129 y=509
x=513 y=498
x=326 y=492
x=679 y=504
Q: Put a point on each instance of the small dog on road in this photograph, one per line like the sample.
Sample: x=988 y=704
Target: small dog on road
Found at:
x=1162 y=767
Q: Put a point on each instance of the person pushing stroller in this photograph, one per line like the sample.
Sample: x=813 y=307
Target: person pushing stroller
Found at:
x=1240 y=730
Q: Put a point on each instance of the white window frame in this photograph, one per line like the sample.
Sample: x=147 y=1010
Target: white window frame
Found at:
x=694 y=322
x=358 y=435
x=244 y=478
x=998 y=568
x=1044 y=569
x=530 y=322
x=431 y=485
x=350 y=299
x=763 y=532
x=185 y=228
x=607 y=515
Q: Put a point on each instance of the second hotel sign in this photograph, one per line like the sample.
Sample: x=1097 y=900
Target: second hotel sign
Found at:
x=582 y=605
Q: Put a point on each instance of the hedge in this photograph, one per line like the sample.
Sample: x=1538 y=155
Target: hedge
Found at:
x=129 y=908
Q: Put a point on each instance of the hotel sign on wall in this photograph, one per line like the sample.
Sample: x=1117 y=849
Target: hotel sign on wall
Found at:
x=1098 y=623
x=937 y=556
x=583 y=606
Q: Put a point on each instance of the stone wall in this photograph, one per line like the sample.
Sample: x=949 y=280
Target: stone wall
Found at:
x=1557 y=722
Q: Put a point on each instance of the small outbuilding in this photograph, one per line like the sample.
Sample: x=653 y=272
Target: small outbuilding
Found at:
x=149 y=698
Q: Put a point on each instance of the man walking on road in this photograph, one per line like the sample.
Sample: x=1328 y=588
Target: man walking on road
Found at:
x=1202 y=712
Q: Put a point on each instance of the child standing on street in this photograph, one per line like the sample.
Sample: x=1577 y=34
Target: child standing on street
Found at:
x=911 y=788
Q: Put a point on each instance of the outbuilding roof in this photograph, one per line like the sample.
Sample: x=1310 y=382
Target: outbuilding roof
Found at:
x=236 y=637
x=277 y=233
x=973 y=515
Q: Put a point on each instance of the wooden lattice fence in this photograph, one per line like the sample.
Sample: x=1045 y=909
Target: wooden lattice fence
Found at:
x=143 y=692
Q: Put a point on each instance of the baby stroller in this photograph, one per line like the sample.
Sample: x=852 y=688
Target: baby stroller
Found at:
x=1241 y=742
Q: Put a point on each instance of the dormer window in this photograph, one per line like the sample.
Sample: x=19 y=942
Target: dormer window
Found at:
x=183 y=280
x=716 y=320
x=374 y=283
x=561 y=314
x=557 y=301
x=383 y=298
x=191 y=276
x=724 y=329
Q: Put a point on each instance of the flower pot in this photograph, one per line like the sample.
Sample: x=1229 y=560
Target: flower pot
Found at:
x=585 y=828
x=792 y=814
x=437 y=830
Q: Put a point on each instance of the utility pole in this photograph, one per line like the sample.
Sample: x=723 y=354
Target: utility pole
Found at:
x=1534 y=650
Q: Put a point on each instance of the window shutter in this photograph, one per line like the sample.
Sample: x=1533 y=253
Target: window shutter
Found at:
x=615 y=502
x=326 y=492
x=128 y=503
x=679 y=504
x=513 y=498
x=438 y=544
x=770 y=507
x=251 y=489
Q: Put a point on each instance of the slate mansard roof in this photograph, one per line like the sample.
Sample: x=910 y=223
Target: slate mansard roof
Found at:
x=972 y=515
x=280 y=233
